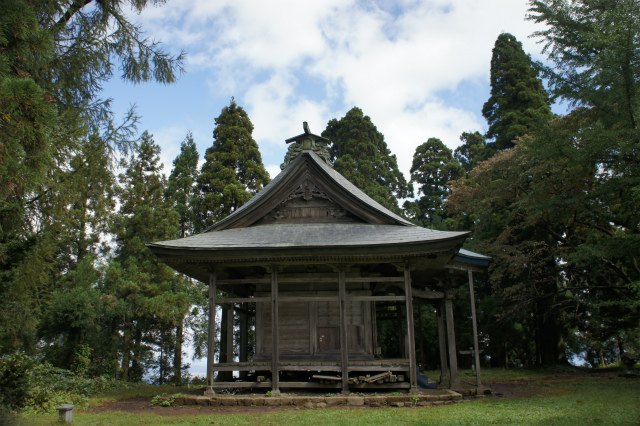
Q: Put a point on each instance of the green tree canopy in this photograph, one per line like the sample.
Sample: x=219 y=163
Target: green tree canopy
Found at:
x=432 y=168
x=518 y=101
x=182 y=184
x=233 y=171
x=361 y=155
x=54 y=58
x=149 y=296
x=595 y=50
x=474 y=149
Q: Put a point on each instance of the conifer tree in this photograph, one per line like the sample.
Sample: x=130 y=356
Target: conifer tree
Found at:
x=180 y=194
x=182 y=184
x=149 y=300
x=55 y=57
x=518 y=101
x=233 y=171
x=473 y=150
x=432 y=168
x=361 y=155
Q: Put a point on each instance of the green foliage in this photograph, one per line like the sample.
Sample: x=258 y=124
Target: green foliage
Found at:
x=149 y=297
x=432 y=168
x=233 y=171
x=361 y=155
x=181 y=184
x=28 y=384
x=518 y=101
x=473 y=150
x=58 y=138
x=162 y=401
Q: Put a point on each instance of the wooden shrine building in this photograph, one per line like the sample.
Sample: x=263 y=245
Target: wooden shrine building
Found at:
x=312 y=256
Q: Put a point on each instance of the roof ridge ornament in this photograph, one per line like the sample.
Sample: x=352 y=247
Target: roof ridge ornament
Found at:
x=307 y=141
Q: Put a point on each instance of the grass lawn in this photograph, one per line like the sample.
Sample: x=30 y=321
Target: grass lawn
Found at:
x=546 y=397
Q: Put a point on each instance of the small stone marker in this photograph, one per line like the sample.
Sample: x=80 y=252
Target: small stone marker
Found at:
x=66 y=413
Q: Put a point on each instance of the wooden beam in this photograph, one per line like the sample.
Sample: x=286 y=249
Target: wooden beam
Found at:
x=464 y=268
x=309 y=299
x=475 y=329
x=413 y=376
x=451 y=338
x=211 y=335
x=317 y=280
x=376 y=298
x=310 y=385
x=234 y=300
x=375 y=279
x=245 y=281
x=344 y=341
x=275 y=352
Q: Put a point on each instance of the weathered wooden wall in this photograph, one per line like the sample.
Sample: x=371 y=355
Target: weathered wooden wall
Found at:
x=310 y=330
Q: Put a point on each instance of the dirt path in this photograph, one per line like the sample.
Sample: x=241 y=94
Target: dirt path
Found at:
x=143 y=406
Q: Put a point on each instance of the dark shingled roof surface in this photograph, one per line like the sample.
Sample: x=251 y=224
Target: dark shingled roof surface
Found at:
x=337 y=177
x=308 y=235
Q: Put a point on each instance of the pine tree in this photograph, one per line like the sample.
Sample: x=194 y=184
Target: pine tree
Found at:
x=233 y=171
x=361 y=155
x=518 y=101
x=432 y=168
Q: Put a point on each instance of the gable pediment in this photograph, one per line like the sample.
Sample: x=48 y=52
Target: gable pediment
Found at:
x=309 y=191
x=307 y=204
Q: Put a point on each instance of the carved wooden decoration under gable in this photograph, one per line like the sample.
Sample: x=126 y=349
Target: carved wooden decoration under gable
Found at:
x=307 y=204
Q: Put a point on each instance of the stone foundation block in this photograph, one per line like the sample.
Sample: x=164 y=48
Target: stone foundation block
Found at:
x=355 y=400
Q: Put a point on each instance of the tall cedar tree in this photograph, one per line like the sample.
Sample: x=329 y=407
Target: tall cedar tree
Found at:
x=361 y=155
x=518 y=101
x=181 y=186
x=474 y=149
x=56 y=55
x=146 y=291
x=432 y=168
x=233 y=171
x=180 y=193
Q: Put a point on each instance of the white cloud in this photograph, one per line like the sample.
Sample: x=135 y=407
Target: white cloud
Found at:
x=393 y=59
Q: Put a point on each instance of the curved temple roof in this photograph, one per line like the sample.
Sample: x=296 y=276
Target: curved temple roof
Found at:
x=371 y=229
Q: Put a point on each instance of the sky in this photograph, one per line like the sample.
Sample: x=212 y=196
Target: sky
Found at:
x=418 y=68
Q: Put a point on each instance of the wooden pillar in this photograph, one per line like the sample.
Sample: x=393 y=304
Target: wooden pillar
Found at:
x=451 y=338
x=275 y=350
x=211 y=335
x=442 y=340
x=244 y=338
x=230 y=315
x=344 y=340
x=476 y=350
x=410 y=330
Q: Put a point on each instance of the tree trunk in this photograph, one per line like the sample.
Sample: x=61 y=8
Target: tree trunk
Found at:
x=177 y=356
x=550 y=342
x=126 y=348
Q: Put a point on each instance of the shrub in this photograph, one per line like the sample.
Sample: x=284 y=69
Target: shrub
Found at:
x=25 y=383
